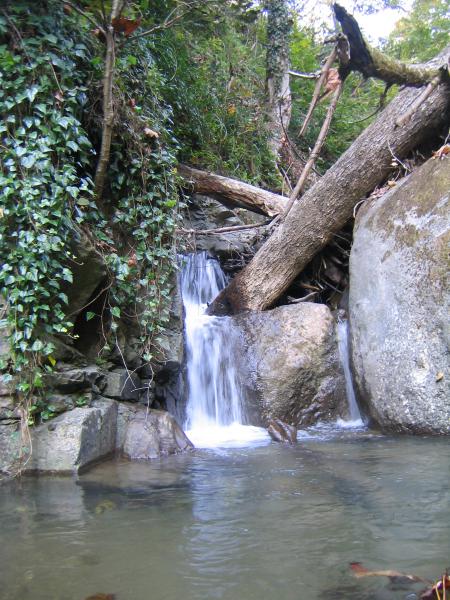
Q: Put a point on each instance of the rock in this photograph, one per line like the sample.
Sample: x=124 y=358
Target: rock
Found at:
x=71 y=379
x=144 y=435
x=74 y=440
x=59 y=403
x=282 y=432
x=399 y=303
x=295 y=373
x=122 y=385
x=8 y=409
x=207 y=213
x=64 y=445
x=10 y=445
x=88 y=269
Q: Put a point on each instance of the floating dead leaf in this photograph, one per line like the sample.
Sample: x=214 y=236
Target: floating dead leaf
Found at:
x=101 y=597
x=125 y=26
x=150 y=133
x=360 y=571
x=439 y=376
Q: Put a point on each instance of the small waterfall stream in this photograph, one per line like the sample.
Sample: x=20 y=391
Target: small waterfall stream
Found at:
x=353 y=409
x=216 y=404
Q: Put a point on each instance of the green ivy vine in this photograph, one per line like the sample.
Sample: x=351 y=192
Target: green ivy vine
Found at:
x=51 y=68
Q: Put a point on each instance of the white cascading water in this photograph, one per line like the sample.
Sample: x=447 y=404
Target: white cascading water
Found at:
x=353 y=409
x=215 y=411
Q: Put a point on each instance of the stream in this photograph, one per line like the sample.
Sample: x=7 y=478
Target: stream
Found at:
x=240 y=517
x=258 y=522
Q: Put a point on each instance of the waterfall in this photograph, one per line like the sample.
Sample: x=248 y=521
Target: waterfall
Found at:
x=215 y=411
x=353 y=409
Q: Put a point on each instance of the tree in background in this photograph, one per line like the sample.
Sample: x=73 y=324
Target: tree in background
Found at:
x=422 y=33
x=279 y=103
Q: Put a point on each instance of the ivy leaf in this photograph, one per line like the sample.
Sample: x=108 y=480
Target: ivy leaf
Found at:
x=90 y=315
x=32 y=92
x=115 y=311
x=28 y=161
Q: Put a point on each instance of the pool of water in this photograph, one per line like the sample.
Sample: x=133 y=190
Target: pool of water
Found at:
x=264 y=522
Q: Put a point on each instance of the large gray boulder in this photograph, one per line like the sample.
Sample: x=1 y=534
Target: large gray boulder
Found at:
x=65 y=445
x=145 y=434
x=399 y=303
x=295 y=374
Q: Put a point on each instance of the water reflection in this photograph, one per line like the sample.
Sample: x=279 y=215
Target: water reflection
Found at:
x=262 y=523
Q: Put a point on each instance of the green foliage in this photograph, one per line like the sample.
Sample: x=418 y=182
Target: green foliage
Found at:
x=359 y=100
x=423 y=33
x=44 y=151
x=215 y=78
x=51 y=67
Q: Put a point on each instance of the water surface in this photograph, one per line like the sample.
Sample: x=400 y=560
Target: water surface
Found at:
x=265 y=522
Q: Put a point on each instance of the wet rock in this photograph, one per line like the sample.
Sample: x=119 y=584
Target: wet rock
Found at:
x=399 y=303
x=70 y=379
x=10 y=445
x=8 y=409
x=88 y=269
x=282 y=432
x=122 y=385
x=295 y=373
x=144 y=435
x=64 y=445
x=233 y=249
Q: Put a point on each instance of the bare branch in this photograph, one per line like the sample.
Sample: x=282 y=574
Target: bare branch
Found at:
x=83 y=14
x=418 y=101
x=330 y=60
x=220 y=230
x=315 y=75
x=316 y=150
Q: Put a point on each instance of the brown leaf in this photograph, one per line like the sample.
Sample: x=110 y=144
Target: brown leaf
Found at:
x=150 y=133
x=67 y=9
x=360 y=571
x=439 y=376
x=132 y=103
x=102 y=597
x=333 y=80
x=125 y=26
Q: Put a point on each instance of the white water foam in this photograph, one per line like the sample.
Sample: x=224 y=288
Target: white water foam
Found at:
x=355 y=421
x=216 y=404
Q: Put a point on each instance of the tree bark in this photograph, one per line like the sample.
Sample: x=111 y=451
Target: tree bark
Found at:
x=373 y=63
x=278 y=91
x=327 y=206
x=232 y=192
x=108 y=115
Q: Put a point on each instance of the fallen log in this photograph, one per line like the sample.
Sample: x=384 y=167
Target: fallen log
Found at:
x=232 y=192
x=327 y=206
x=371 y=62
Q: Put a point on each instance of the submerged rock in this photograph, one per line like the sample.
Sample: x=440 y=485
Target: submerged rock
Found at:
x=282 y=432
x=399 y=303
x=295 y=373
x=144 y=435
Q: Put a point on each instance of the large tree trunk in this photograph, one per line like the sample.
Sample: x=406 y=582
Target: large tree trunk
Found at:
x=278 y=91
x=326 y=207
x=232 y=192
